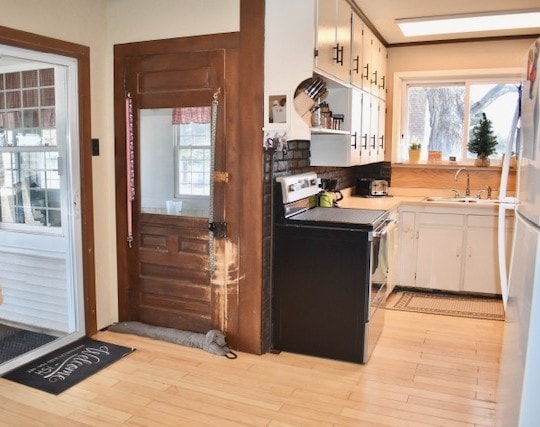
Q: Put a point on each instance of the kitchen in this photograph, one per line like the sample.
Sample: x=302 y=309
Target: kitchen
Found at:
x=481 y=54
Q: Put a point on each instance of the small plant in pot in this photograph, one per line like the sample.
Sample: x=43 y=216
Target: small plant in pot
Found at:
x=414 y=152
x=484 y=142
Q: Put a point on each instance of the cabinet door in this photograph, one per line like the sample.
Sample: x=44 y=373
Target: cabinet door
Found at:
x=366 y=127
x=367 y=66
x=381 y=139
x=382 y=71
x=326 y=34
x=343 y=40
x=481 y=262
x=356 y=126
x=334 y=38
x=375 y=65
x=407 y=249
x=374 y=130
x=356 y=51
x=440 y=241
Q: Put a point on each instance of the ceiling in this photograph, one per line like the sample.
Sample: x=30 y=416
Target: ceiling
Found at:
x=383 y=13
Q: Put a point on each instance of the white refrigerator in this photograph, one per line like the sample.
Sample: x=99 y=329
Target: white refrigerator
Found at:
x=518 y=399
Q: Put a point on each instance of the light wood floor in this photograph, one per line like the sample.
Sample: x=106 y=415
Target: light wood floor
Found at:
x=426 y=370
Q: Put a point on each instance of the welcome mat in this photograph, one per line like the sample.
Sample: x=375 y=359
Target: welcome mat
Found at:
x=15 y=341
x=63 y=368
x=447 y=304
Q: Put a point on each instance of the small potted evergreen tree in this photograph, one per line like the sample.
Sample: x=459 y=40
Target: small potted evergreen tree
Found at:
x=484 y=142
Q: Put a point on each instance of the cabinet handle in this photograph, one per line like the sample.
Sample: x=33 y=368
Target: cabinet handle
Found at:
x=339 y=53
x=354 y=144
x=383 y=78
x=373 y=142
x=367 y=72
x=374 y=82
x=364 y=145
x=356 y=60
x=381 y=145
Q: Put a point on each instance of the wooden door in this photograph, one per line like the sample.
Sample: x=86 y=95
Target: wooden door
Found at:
x=171 y=274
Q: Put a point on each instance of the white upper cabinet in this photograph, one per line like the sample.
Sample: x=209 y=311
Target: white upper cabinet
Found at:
x=367 y=59
x=374 y=59
x=381 y=76
x=333 y=38
x=325 y=38
x=357 y=49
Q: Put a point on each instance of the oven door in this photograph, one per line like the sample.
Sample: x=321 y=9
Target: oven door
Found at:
x=381 y=251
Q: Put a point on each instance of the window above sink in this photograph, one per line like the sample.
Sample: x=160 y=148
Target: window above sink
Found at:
x=439 y=109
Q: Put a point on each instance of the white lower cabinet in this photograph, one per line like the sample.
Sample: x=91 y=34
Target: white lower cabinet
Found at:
x=439 y=247
x=449 y=249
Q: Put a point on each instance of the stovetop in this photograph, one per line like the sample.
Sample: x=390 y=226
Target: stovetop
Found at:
x=336 y=217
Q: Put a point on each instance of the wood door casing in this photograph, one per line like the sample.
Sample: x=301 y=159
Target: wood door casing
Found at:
x=26 y=40
x=165 y=279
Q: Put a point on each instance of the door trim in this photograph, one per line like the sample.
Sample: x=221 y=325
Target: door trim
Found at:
x=25 y=40
x=244 y=198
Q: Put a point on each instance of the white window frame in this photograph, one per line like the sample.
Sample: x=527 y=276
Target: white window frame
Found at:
x=400 y=141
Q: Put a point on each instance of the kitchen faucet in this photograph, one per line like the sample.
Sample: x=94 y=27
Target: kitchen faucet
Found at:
x=468 y=189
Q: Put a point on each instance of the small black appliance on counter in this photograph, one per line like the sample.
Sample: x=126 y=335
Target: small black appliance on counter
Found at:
x=373 y=179
x=369 y=187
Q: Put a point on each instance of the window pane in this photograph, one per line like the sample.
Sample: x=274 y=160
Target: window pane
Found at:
x=29 y=179
x=499 y=102
x=435 y=118
x=30 y=188
x=175 y=147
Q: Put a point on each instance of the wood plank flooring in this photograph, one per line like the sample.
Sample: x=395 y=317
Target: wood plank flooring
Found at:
x=427 y=370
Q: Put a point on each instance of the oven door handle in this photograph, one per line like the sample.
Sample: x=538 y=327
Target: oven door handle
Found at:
x=383 y=229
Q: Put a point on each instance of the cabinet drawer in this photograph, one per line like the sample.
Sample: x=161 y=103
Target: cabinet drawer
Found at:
x=484 y=221
x=447 y=220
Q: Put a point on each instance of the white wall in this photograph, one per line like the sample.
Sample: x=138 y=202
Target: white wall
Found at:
x=100 y=24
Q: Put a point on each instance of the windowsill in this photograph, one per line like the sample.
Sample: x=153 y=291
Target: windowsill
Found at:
x=495 y=165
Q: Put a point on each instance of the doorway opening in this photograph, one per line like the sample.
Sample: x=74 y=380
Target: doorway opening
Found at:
x=42 y=218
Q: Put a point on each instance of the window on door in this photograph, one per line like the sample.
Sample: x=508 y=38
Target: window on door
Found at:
x=29 y=156
x=176 y=160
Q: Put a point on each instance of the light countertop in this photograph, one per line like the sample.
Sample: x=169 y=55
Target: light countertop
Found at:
x=384 y=203
x=392 y=202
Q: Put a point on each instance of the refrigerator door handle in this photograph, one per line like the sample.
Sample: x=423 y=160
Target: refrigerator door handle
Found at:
x=501 y=246
x=506 y=203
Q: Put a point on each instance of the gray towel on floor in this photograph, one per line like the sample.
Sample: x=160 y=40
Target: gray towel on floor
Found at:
x=213 y=341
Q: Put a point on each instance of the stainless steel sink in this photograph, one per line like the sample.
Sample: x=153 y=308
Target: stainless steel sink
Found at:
x=461 y=200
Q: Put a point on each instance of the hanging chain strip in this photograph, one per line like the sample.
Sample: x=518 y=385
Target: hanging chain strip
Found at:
x=130 y=168
x=215 y=104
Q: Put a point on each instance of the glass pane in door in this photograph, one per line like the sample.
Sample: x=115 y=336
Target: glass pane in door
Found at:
x=175 y=147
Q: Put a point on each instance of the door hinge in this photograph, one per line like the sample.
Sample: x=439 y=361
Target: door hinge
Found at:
x=218 y=228
x=315 y=52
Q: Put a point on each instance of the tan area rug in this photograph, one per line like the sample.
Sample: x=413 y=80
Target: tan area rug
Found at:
x=449 y=305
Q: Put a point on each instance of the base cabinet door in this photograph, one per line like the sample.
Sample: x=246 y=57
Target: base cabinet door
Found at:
x=450 y=251
x=481 y=270
x=440 y=242
x=407 y=249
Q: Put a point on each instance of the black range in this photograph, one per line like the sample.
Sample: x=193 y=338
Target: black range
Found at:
x=327 y=283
